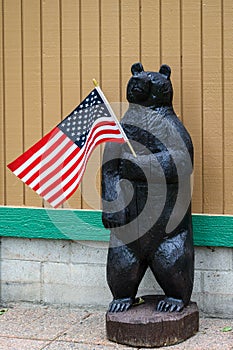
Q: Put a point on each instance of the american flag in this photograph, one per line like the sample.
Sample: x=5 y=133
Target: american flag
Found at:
x=54 y=166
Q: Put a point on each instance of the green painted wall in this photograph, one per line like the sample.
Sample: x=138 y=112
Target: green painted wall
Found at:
x=209 y=230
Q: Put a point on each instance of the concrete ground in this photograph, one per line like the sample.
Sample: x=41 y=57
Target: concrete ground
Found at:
x=34 y=327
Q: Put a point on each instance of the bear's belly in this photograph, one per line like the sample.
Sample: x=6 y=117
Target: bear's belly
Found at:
x=150 y=207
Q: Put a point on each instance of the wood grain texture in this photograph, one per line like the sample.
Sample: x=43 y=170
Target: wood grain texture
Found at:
x=228 y=104
x=51 y=65
x=209 y=230
x=110 y=50
x=142 y=326
x=2 y=113
x=90 y=57
x=212 y=107
x=130 y=40
x=171 y=46
x=13 y=96
x=52 y=49
x=32 y=116
x=150 y=34
x=192 y=90
x=70 y=69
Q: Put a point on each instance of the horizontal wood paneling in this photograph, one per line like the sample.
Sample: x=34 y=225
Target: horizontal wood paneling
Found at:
x=209 y=230
x=51 y=50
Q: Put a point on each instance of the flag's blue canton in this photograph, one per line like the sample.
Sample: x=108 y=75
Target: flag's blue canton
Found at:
x=78 y=123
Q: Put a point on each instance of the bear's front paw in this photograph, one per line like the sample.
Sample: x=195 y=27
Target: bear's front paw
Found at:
x=119 y=305
x=170 y=305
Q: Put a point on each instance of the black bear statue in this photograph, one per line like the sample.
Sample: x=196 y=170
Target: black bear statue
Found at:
x=147 y=199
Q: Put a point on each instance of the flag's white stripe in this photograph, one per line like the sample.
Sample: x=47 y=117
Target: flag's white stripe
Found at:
x=48 y=170
x=45 y=160
x=43 y=149
x=83 y=163
x=113 y=115
x=75 y=184
x=69 y=165
x=40 y=177
x=38 y=153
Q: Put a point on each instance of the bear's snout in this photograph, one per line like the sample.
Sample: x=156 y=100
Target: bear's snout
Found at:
x=138 y=88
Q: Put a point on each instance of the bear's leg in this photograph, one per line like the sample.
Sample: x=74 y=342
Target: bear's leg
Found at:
x=173 y=266
x=124 y=274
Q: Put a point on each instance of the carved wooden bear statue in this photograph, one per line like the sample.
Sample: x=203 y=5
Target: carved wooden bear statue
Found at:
x=147 y=199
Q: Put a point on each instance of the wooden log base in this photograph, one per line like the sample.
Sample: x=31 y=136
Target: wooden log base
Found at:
x=143 y=326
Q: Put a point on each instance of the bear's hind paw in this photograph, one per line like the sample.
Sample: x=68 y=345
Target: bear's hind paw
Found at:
x=170 y=305
x=119 y=305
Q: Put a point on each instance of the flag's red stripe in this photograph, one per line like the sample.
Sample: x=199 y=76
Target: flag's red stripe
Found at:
x=49 y=176
x=82 y=168
x=45 y=154
x=87 y=156
x=60 y=180
x=76 y=176
x=26 y=155
x=72 y=168
x=56 y=170
x=102 y=123
x=39 y=159
x=45 y=167
x=78 y=161
x=87 y=147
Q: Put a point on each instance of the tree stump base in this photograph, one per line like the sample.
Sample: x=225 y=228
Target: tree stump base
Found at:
x=143 y=326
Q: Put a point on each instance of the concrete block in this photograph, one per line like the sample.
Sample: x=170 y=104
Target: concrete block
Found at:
x=20 y=271
x=217 y=258
x=75 y=295
x=56 y=273
x=35 y=249
x=198 y=282
x=74 y=273
x=93 y=296
x=197 y=294
x=198 y=298
x=218 y=282
x=16 y=292
x=149 y=283
x=80 y=275
x=89 y=252
x=87 y=275
x=58 y=294
x=218 y=305
x=232 y=257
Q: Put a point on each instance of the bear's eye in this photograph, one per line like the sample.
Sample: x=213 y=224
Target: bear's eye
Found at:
x=150 y=75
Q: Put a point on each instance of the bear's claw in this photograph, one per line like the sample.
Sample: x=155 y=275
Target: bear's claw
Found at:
x=119 y=305
x=170 y=305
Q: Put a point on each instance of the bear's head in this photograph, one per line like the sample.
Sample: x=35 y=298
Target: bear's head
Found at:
x=150 y=89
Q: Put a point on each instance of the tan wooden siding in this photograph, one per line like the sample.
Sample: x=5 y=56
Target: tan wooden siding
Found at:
x=50 y=50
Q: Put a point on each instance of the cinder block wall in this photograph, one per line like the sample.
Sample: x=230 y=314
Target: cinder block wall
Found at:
x=73 y=273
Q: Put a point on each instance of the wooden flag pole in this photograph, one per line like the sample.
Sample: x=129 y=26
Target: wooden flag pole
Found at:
x=114 y=116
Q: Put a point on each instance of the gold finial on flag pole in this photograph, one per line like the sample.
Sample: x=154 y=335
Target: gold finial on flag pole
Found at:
x=95 y=82
x=114 y=116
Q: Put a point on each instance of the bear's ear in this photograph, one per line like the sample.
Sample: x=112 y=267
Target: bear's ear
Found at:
x=137 y=68
x=165 y=70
